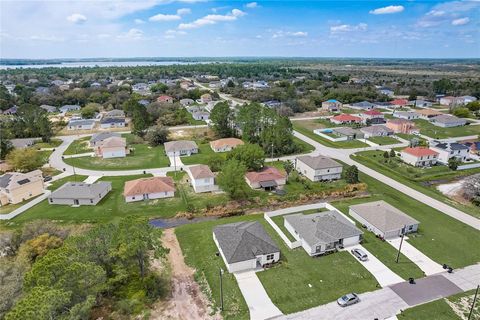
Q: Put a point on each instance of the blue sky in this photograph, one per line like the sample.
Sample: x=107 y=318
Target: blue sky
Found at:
x=146 y=28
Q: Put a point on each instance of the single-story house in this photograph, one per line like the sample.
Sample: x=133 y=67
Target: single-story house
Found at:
x=69 y=108
x=408 y=115
x=383 y=219
x=272 y=104
x=165 y=99
x=201 y=178
x=268 y=178
x=447 y=121
x=420 y=103
x=113 y=147
x=347 y=132
x=116 y=113
x=87 y=124
x=245 y=246
x=322 y=232
x=187 y=85
x=400 y=103
x=318 y=168
x=345 y=119
x=451 y=101
x=180 y=148
x=331 y=105
x=386 y=91
x=419 y=156
x=80 y=193
x=372 y=117
x=99 y=137
x=376 y=131
x=206 y=98
x=144 y=102
x=24 y=142
x=384 y=105
x=468 y=99
x=365 y=105
x=16 y=187
x=426 y=114
x=148 y=189
x=401 y=126
x=186 y=102
x=225 y=144
x=48 y=108
x=201 y=115
x=448 y=150
x=112 y=123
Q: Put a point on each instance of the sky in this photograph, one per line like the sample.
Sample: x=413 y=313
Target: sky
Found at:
x=201 y=28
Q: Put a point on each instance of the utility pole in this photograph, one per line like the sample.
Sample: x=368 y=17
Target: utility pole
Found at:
x=473 y=303
x=401 y=242
x=272 y=151
x=175 y=163
x=221 y=289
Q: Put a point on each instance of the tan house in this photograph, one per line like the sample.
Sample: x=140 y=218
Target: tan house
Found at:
x=226 y=144
x=202 y=178
x=401 y=126
x=149 y=188
x=16 y=187
x=427 y=114
x=113 y=147
x=206 y=98
x=268 y=178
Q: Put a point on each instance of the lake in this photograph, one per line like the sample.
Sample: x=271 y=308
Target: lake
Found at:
x=80 y=64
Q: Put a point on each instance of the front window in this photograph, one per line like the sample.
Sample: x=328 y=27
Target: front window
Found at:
x=270 y=256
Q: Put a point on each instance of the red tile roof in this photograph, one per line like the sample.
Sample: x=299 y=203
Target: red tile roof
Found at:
x=373 y=113
x=266 y=174
x=164 y=98
x=148 y=185
x=346 y=118
x=420 y=151
x=400 y=102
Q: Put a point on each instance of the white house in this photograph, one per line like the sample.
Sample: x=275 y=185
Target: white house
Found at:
x=318 y=168
x=112 y=147
x=322 y=232
x=447 y=121
x=180 y=148
x=245 y=246
x=202 y=178
x=448 y=150
x=149 y=189
x=112 y=123
x=201 y=115
x=81 y=125
x=419 y=156
x=408 y=115
x=376 y=131
x=225 y=144
x=80 y=193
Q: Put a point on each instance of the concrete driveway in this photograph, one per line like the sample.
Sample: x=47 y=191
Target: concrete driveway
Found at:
x=381 y=272
x=258 y=302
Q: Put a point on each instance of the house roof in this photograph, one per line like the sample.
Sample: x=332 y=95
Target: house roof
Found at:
x=175 y=146
x=405 y=114
x=114 y=142
x=446 y=118
x=115 y=113
x=400 y=121
x=345 y=118
x=148 y=185
x=81 y=122
x=373 y=113
x=243 y=241
x=383 y=216
x=347 y=131
x=164 y=98
x=451 y=146
x=319 y=162
x=399 y=102
x=12 y=180
x=265 y=174
x=428 y=112
x=323 y=227
x=232 y=142
x=201 y=171
x=48 y=108
x=112 y=120
x=80 y=190
x=376 y=129
x=420 y=151
x=363 y=104
x=102 y=136
x=68 y=107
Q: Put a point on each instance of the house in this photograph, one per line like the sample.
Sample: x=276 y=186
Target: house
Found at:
x=347 y=133
x=318 y=168
x=205 y=98
x=48 y=108
x=95 y=85
x=16 y=187
x=372 y=117
x=376 y=131
x=194 y=108
x=448 y=150
x=420 y=104
x=42 y=90
x=180 y=148
x=141 y=88
x=399 y=103
x=80 y=193
x=427 y=114
x=386 y=91
x=149 y=189
x=273 y=104
x=186 y=102
x=201 y=115
x=322 y=232
x=144 y=102
x=112 y=123
x=345 y=119
x=11 y=111
x=112 y=147
x=365 y=105
x=401 y=126
x=450 y=101
x=69 y=108
x=268 y=178
x=331 y=105
x=97 y=138
x=57 y=82
x=202 y=178
x=419 y=156
x=81 y=124
x=245 y=246
x=408 y=115
x=468 y=99
x=115 y=113
x=447 y=121
x=383 y=219
x=225 y=144
x=384 y=105
x=473 y=146
x=165 y=99
x=187 y=85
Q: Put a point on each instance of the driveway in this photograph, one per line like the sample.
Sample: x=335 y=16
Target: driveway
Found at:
x=259 y=304
x=175 y=161
x=427 y=265
x=381 y=272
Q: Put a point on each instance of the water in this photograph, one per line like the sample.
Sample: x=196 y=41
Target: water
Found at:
x=80 y=64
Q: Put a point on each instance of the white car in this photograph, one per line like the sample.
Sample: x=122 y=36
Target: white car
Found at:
x=362 y=256
x=348 y=299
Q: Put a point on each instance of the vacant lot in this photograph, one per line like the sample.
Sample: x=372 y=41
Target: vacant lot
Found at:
x=79 y=146
x=432 y=131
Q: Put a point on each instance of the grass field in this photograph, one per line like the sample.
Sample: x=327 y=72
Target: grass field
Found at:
x=204 y=153
x=79 y=146
x=432 y=131
x=52 y=144
x=409 y=137
x=60 y=182
x=383 y=140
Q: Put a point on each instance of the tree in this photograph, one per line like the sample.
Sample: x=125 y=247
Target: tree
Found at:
x=251 y=155
x=453 y=163
x=351 y=175
x=288 y=167
x=215 y=162
x=157 y=135
x=5 y=147
x=386 y=155
x=39 y=246
x=471 y=188
x=24 y=160
x=159 y=88
x=462 y=112
x=140 y=120
x=89 y=110
x=232 y=179
x=392 y=153
x=222 y=120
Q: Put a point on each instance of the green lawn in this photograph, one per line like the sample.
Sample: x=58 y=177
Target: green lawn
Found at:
x=303 y=147
x=11 y=207
x=52 y=144
x=204 y=152
x=79 y=146
x=142 y=157
x=432 y=131
x=418 y=178
x=409 y=137
x=192 y=121
x=113 y=206
x=298 y=126
x=383 y=140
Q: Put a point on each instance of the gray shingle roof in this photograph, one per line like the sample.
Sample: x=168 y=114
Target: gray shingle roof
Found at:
x=243 y=241
x=81 y=122
x=323 y=227
x=445 y=118
x=175 y=146
x=80 y=190
x=5 y=180
x=112 y=120
x=102 y=136
x=451 y=146
x=319 y=162
x=376 y=129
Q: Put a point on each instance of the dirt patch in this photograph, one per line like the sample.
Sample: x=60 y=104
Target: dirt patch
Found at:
x=186 y=301
x=462 y=307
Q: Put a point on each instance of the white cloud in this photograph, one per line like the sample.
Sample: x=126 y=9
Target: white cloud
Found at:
x=133 y=34
x=171 y=34
x=460 y=21
x=212 y=19
x=139 y=21
x=298 y=34
x=436 y=13
x=388 y=10
x=164 y=17
x=281 y=34
x=183 y=11
x=77 y=18
x=251 y=5
x=448 y=12
x=348 y=28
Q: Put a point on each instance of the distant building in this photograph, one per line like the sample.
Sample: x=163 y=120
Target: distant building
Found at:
x=225 y=144
x=116 y=113
x=80 y=193
x=420 y=103
x=268 y=178
x=386 y=91
x=206 y=98
x=372 y=117
x=81 y=125
x=112 y=147
x=201 y=115
x=345 y=119
x=400 y=103
x=48 y=108
x=186 y=102
x=376 y=131
x=364 y=105
x=165 y=99
x=408 y=115
x=69 y=108
x=97 y=138
x=426 y=114
x=402 y=126
x=273 y=104
x=112 y=123
x=447 y=121
x=331 y=105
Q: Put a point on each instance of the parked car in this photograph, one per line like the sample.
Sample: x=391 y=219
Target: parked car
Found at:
x=47 y=178
x=348 y=299
x=362 y=256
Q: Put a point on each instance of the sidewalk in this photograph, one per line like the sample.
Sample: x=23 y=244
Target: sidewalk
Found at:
x=25 y=207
